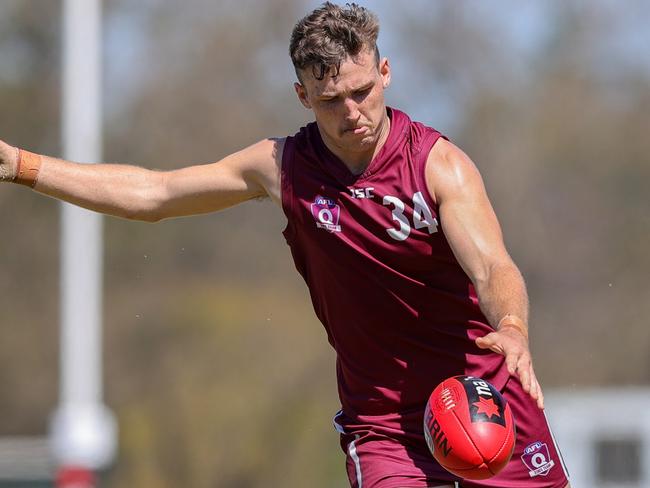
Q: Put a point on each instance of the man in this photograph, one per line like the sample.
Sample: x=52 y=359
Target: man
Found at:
x=389 y=225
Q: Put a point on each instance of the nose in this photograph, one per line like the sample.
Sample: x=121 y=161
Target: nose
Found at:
x=352 y=113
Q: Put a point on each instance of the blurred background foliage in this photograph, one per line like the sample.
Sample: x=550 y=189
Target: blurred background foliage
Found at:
x=216 y=367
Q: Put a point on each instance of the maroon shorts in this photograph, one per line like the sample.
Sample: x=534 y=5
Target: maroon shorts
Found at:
x=380 y=456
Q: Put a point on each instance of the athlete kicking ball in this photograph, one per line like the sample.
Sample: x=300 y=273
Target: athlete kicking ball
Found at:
x=390 y=226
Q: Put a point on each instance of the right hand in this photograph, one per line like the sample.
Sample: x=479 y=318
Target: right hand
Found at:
x=513 y=344
x=8 y=162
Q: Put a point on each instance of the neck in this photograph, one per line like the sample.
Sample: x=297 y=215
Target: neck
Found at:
x=358 y=161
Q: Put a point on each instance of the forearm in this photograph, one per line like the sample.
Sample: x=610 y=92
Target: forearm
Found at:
x=120 y=190
x=502 y=293
x=504 y=301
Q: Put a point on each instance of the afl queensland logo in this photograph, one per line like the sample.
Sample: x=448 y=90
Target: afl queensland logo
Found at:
x=537 y=459
x=326 y=213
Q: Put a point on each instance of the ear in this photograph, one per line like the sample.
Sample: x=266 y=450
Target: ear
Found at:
x=384 y=71
x=301 y=91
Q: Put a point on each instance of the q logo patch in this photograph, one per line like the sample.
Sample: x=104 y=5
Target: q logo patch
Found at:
x=537 y=459
x=326 y=213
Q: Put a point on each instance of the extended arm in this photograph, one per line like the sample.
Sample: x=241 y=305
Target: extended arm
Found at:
x=474 y=235
x=141 y=194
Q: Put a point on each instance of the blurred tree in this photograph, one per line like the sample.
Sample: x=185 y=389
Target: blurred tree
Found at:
x=29 y=56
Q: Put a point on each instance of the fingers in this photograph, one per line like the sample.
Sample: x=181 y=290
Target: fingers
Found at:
x=534 y=386
x=529 y=381
x=517 y=359
x=523 y=370
x=483 y=342
x=512 y=361
x=539 y=396
x=490 y=341
x=534 y=390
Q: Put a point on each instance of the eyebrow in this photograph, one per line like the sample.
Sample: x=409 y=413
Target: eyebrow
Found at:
x=354 y=90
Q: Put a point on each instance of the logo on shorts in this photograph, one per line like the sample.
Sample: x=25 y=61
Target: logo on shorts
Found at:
x=537 y=459
x=326 y=213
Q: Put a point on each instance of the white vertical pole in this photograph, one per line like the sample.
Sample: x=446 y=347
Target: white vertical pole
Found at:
x=83 y=430
x=81 y=240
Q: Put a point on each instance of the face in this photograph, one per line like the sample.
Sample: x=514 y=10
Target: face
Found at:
x=349 y=108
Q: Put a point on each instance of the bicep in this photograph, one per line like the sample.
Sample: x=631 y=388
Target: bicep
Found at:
x=215 y=186
x=466 y=214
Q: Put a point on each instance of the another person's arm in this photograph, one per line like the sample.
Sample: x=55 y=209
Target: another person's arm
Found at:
x=136 y=193
x=474 y=234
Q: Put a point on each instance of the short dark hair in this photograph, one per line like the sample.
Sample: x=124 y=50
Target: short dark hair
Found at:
x=329 y=35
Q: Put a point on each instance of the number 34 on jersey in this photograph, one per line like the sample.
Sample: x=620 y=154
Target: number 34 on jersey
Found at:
x=422 y=216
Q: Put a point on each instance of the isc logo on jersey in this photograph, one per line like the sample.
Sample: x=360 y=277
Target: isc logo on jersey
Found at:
x=359 y=193
x=326 y=213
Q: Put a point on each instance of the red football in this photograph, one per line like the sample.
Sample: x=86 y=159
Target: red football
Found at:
x=469 y=428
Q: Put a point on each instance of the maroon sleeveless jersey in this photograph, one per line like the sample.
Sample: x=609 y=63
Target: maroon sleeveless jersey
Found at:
x=399 y=310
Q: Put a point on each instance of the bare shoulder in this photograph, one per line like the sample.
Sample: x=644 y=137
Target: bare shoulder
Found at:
x=450 y=172
x=263 y=163
x=261 y=157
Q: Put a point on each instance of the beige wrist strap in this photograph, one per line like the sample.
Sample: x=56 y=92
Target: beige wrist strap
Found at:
x=27 y=169
x=514 y=322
